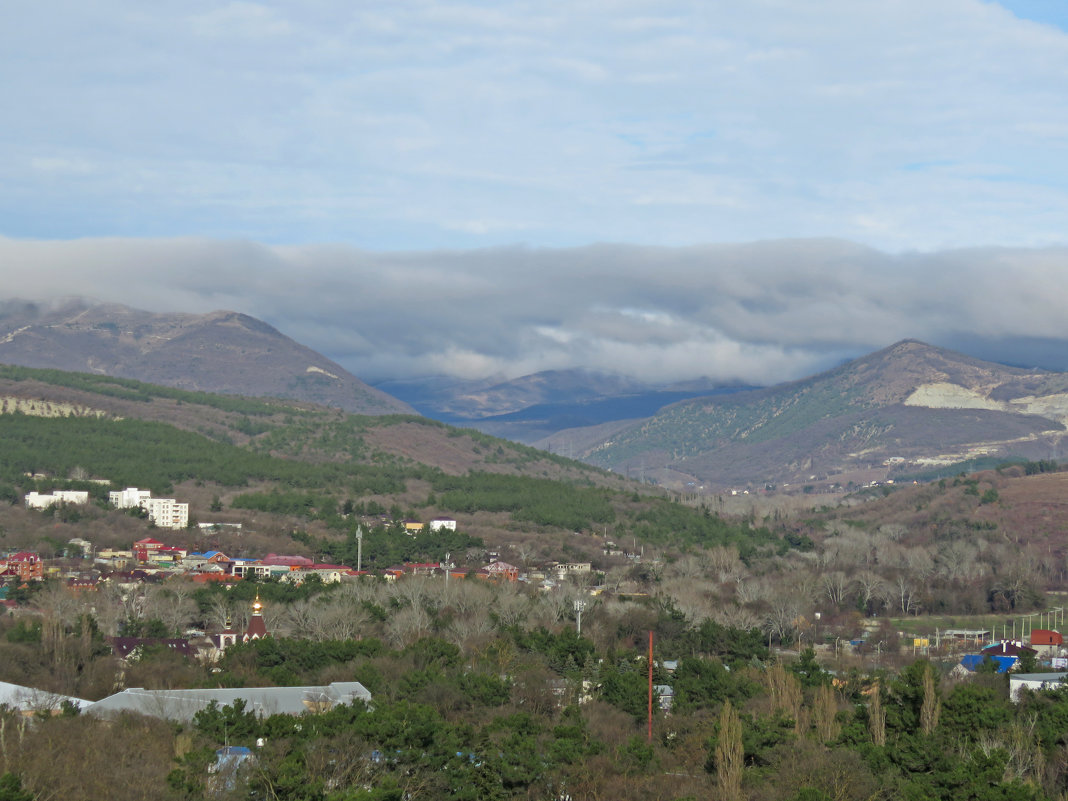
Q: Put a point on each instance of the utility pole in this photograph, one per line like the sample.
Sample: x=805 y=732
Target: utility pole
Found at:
x=447 y=567
x=580 y=605
x=650 y=737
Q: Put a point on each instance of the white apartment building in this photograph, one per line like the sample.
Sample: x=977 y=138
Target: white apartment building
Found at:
x=166 y=512
x=128 y=498
x=36 y=500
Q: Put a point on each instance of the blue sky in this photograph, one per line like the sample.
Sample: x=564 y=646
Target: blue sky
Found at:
x=1048 y=12
x=420 y=187
x=414 y=125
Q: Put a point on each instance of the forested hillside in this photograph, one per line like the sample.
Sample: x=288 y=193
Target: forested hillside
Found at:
x=319 y=474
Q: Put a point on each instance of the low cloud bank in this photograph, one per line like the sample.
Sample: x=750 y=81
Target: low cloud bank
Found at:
x=756 y=313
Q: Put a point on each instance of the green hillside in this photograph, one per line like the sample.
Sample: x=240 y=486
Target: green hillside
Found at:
x=321 y=473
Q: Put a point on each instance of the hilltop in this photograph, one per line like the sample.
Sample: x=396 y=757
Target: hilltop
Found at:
x=223 y=351
x=903 y=410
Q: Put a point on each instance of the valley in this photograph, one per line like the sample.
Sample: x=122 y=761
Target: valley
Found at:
x=505 y=596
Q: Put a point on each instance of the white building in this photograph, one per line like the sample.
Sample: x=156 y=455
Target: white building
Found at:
x=563 y=570
x=166 y=512
x=128 y=498
x=36 y=500
x=439 y=523
x=1018 y=682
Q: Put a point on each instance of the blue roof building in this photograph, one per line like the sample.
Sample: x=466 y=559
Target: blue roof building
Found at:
x=1004 y=663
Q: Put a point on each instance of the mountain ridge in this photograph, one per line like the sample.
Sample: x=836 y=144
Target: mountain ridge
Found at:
x=222 y=351
x=909 y=405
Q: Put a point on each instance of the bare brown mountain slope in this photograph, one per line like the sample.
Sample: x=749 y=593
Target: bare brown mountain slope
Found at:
x=905 y=408
x=223 y=351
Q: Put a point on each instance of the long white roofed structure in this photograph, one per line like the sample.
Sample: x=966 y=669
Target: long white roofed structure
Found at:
x=32 y=700
x=182 y=705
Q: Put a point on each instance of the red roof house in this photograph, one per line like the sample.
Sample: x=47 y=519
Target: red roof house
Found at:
x=501 y=570
x=1046 y=637
x=27 y=565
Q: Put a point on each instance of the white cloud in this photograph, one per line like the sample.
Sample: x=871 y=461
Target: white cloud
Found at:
x=415 y=125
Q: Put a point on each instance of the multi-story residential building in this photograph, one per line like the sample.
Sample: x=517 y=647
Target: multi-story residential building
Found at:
x=128 y=498
x=166 y=512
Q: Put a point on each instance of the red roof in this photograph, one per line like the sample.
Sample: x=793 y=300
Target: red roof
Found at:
x=256 y=628
x=289 y=561
x=1007 y=648
x=1046 y=637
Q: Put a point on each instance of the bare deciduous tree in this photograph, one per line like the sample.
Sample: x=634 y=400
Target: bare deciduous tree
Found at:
x=407 y=625
x=837 y=585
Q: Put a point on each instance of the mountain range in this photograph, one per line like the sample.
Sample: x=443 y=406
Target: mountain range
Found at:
x=906 y=411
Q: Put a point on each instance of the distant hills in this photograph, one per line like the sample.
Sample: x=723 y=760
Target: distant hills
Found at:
x=532 y=408
x=902 y=411
x=223 y=352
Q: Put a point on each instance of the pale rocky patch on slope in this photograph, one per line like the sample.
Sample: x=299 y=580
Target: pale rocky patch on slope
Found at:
x=42 y=408
x=943 y=395
x=1054 y=406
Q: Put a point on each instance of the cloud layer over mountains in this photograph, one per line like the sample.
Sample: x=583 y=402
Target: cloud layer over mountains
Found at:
x=754 y=313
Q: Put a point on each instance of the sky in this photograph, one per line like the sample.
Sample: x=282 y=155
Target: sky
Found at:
x=668 y=189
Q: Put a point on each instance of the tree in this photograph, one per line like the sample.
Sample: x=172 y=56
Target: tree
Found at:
x=825 y=713
x=877 y=717
x=785 y=692
x=11 y=789
x=871 y=589
x=837 y=585
x=808 y=670
x=931 y=708
x=729 y=755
